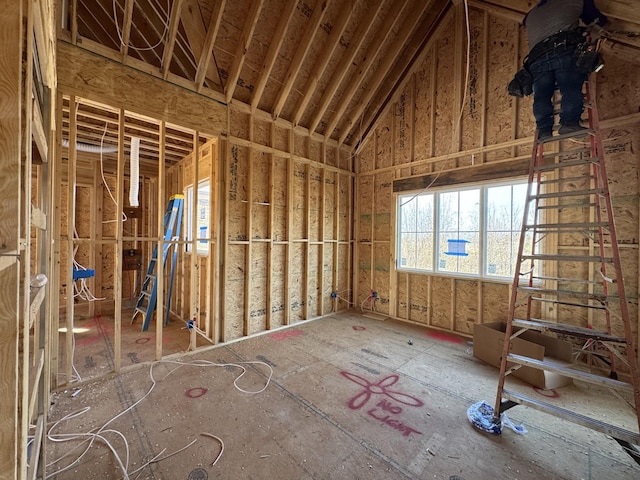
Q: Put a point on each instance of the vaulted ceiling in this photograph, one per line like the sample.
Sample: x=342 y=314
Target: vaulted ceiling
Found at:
x=329 y=66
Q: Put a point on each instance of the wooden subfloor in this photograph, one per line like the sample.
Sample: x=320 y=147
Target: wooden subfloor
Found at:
x=351 y=397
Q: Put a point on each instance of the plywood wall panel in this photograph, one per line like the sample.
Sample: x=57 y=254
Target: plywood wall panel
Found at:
x=403 y=125
x=278 y=277
x=445 y=109
x=384 y=143
x=441 y=302
x=381 y=276
x=257 y=288
x=466 y=310
x=314 y=288
x=495 y=302
x=365 y=202
x=471 y=127
x=382 y=205
x=418 y=300
x=315 y=202
x=299 y=208
x=298 y=277
x=327 y=287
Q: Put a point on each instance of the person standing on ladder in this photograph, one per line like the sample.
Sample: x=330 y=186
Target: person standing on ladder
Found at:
x=554 y=35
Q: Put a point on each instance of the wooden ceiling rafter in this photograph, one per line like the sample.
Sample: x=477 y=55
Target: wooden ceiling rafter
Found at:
x=321 y=64
x=207 y=48
x=372 y=53
x=243 y=47
x=343 y=66
x=108 y=33
x=196 y=32
x=384 y=68
x=304 y=45
x=272 y=53
x=170 y=42
x=126 y=29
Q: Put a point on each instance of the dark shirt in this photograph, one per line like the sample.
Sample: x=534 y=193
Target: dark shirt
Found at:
x=549 y=17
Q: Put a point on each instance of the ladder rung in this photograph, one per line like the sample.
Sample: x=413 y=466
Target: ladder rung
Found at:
x=568 y=226
x=562 y=206
x=600 y=297
x=567 y=258
x=571 y=163
x=567 y=280
x=572 y=193
x=569 y=304
x=141 y=310
x=580 y=133
x=606 y=428
x=564 y=368
x=551 y=181
x=568 y=153
x=542 y=326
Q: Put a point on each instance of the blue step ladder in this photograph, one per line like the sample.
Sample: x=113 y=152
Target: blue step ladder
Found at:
x=147 y=300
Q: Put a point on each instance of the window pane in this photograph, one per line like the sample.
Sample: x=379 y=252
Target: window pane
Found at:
x=424 y=251
x=415 y=249
x=448 y=212
x=499 y=216
x=469 y=210
x=408 y=251
x=408 y=213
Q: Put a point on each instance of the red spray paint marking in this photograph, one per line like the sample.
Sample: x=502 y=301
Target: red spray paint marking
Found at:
x=293 y=332
x=444 y=337
x=547 y=393
x=358 y=328
x=384 y=409
x=142 y=340
x=196 y=392
x=104 y=330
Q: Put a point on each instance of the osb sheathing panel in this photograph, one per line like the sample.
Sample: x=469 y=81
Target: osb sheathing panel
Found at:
x=298 y=277
x=315 y=288
x=301 y=146
x=423 y=110
x=402 y=299
x=260 y=209
x=466 y=312
x=238 y=175
x=499 y=109
x=331 y=156
x=281 y=138
x=382 y=216
x=618 y=89
x=384 y=143
x=441 y=302
x=344 y=208
x=364 y=272
x=330 y=214
x=291 y=42
x=234 y=288
x=343 y=276
x=366 y=158
x=258 y=288
x=345 y=161
x=315 y=204
x=381 y=276
x=278 y=276
x=365 y=199
x=328 y=251
x=299 y=207
x=495 y=302
x=262 y=132
x=418 y=301
x=402 y=128
x=445 y=109
x=109 y=213
x=240 y=123
x=471 y=121
x=280 y=208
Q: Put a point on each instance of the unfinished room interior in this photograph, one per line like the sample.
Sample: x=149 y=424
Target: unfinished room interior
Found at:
x=313 y=239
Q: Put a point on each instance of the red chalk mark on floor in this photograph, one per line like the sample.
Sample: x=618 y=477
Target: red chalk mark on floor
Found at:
x=444 y=337
x=358 y=328
x=294 y=332
x=142 y=340
x=547 y=393
x=196 y=392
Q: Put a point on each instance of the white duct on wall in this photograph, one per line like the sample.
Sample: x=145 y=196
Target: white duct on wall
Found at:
x=134 y=171
x=87 y=147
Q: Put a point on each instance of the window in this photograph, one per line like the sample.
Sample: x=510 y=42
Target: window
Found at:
x=202 y=217
x=471 y=231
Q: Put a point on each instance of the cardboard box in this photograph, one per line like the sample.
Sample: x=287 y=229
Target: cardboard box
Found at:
x=488 y=339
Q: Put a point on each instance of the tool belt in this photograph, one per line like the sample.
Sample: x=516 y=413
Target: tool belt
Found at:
x=557 y=43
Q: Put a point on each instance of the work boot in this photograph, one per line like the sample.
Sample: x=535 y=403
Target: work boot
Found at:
x=544 y=134
x=574 y=128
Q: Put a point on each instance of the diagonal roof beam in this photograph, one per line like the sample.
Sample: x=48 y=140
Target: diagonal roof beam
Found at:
x=194 y=28
x=272 y=53
x=207 y=47
x=341 y=70
x=408 y=28
x=174 y=21
x=301 y=52
x=126 y=28
x=243 y=47
x=332 y=43
x=372 y=53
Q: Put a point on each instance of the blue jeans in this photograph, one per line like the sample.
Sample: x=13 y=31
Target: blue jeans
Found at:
x=553 y=71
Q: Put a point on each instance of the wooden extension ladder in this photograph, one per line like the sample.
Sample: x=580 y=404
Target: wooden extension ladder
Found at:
x=581 y=283
x=147 y=300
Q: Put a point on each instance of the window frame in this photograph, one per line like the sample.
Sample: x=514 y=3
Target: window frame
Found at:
x=483 y=224
x=189 y=198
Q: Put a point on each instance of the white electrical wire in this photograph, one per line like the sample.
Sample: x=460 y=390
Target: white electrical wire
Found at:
x=89 y=438
x=124 y=216
x=140 y=49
